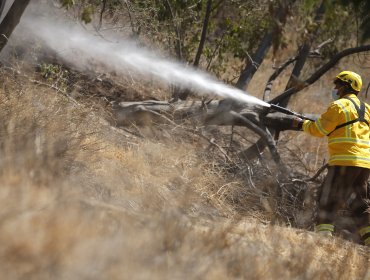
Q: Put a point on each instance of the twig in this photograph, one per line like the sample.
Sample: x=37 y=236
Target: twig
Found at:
x=231 y=137
x=131 y=132
x=241 y=136
x=313 y=53
x=215 y=50
x=212 y=142
x=299 y=158
x=278 y=71
x=254 y=64
x=264 y=134
x=160 y=115
x=57 y=89
x=314 y=177
x=316 y=52
x=138 y=130
x=250 y=173
x=177 y=30
x=321 y=169
x=134 y=32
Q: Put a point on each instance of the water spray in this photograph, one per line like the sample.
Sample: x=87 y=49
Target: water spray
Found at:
x=85 y=51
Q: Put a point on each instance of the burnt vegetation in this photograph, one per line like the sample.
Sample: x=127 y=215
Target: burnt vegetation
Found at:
x=150 y=175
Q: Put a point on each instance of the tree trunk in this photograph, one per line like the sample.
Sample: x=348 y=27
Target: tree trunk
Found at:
x=257 y=58
x=293 y=80
x=184 y=93
x=204 y=33
x=303 y=53
x=11 y=20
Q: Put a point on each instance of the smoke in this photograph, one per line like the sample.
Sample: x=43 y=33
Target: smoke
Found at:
x=88 y=51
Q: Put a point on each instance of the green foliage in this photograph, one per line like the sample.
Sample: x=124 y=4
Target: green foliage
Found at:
x=67 y=3
x=361 y=9
x=87 y=13
x=56 y=74
x=309 y=5
x=337 y=23
x=235 y=29
x=86 y=7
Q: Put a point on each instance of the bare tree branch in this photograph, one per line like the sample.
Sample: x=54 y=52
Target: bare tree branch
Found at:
x=215 y=50
x=213 y=143
x=313 y=53
x=135 y=32
x=255 y=150
x=278 y=71
x=317 y=52
x=302 y=56
x=264 y=134
x=317 y=75
x=266 y=42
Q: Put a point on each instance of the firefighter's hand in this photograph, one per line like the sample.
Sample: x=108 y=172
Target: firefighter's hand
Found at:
x=297 y=123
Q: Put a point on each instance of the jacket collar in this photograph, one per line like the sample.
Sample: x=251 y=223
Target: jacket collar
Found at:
x=350 y=95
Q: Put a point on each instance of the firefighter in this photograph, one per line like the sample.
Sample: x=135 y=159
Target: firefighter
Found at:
x=345 y=188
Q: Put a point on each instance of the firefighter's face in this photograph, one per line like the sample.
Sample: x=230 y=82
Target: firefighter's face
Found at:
x=339 y=87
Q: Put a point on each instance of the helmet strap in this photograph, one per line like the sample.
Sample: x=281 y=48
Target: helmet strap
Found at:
x=348 y=89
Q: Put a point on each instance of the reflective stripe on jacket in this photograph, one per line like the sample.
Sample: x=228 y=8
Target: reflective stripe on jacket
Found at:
x=348 y=145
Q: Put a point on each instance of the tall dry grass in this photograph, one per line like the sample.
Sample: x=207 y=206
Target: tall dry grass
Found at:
x=83 y=200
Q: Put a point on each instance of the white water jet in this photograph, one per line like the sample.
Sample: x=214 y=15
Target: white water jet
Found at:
x=86 y=51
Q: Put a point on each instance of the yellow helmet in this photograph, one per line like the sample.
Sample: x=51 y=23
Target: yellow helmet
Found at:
x=352 y=78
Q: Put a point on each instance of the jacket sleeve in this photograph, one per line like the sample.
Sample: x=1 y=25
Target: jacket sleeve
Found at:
x=326 y=123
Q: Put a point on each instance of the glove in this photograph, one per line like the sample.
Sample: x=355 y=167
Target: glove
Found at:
x=297 y=123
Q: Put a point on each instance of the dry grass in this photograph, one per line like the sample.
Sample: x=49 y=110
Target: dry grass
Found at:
x=82 y=200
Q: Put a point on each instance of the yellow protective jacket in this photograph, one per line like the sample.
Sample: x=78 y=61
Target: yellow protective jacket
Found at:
x=348 y=145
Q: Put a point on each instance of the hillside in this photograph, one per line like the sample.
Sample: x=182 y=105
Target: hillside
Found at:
x=84 y=198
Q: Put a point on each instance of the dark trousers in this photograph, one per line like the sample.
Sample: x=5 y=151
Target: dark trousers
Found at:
x=345 y=190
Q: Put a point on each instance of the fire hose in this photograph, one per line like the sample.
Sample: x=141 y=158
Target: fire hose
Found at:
x=289 y=112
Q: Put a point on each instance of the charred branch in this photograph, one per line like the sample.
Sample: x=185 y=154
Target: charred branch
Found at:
x=207 y=113
x=253 y=118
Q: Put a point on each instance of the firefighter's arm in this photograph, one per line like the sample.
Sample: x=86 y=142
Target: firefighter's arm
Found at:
x=325 y=124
